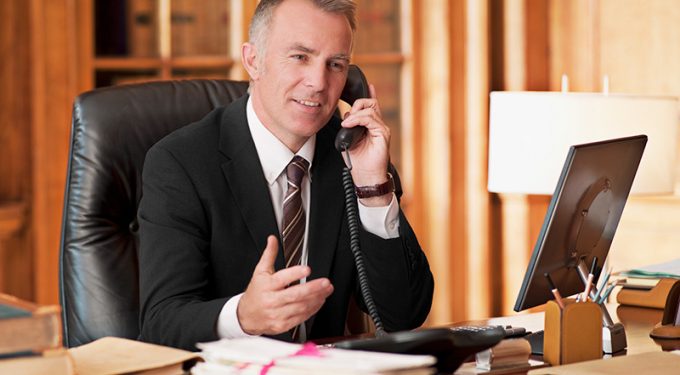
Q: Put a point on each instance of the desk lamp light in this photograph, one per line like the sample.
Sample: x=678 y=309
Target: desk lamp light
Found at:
x=530 y=134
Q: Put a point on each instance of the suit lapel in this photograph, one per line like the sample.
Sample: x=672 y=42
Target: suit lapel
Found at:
x=244 y=175
x=327 y=205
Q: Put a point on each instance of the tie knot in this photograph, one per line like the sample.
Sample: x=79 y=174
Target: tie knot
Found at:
x=296 y=170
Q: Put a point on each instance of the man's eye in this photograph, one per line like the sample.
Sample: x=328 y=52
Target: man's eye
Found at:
x=338 y=66
x=299 y=57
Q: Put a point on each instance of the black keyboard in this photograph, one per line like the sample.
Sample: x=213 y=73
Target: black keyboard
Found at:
x=451 y=346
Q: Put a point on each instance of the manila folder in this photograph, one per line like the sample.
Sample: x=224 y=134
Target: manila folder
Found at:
x=114 y=355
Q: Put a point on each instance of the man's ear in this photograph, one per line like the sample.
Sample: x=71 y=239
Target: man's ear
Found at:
x=250 y=60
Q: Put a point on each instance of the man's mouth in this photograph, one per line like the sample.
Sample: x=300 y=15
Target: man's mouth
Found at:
x=308 y=103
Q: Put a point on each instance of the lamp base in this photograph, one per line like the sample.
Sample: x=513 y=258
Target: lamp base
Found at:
x=665 y=331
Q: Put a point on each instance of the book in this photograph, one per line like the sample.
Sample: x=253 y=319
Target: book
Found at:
x=115 y=355
x=255 y=355
x=142 y=23
x=654 y=297
x=28 y=328
x=53 y=362
x=200 y=28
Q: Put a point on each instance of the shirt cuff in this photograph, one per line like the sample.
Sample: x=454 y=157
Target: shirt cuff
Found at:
x=381 y=221
x=228 y=326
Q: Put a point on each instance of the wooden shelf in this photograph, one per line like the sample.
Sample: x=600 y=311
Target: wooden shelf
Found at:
x=127 y=63
x=201 y=62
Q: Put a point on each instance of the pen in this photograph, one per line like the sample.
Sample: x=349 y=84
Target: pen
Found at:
x=555 y=292
x=603 y=284
x=589 y=281
x=607 y=293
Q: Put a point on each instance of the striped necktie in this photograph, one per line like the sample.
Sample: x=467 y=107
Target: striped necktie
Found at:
x=294 y=218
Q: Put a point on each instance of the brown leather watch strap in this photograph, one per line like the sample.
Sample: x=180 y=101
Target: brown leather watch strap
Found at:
x=376 y=190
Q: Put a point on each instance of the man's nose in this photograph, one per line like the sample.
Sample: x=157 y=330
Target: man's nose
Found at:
x=316 y=77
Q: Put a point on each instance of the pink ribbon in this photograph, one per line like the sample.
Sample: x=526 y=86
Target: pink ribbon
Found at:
x=309 y=349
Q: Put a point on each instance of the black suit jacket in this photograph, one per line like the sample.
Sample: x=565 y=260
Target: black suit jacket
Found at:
x=204 y=219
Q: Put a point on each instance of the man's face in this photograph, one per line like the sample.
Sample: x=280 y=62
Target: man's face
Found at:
x=296 y=84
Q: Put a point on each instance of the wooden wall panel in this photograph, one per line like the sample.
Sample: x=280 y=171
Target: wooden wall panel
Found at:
x=15 y=128
x=640 y=51
x=55 y=84
x=573 y=44
x=433 y=80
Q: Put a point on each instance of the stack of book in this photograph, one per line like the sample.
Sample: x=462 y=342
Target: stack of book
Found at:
x=30 y=339
x=649 y=286
x=259 y=355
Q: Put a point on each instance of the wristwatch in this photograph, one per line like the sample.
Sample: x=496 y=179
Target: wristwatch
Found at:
x=376 y=190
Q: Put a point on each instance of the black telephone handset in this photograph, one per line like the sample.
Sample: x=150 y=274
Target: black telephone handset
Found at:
x=355 y=88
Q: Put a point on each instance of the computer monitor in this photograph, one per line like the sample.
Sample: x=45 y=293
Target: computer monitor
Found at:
x=582 y=217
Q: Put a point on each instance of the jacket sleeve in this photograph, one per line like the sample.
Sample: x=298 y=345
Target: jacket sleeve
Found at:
x=174 y=258
x=399 y=276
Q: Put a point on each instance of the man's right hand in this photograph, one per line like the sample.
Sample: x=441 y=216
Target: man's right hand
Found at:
x=269 y=306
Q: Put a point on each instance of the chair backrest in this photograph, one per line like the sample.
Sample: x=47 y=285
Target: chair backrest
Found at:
x=112 y=129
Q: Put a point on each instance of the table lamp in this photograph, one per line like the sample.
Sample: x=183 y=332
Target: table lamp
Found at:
x=530 y=134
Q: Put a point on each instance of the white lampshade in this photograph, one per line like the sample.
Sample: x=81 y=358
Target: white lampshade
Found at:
x=530 y=134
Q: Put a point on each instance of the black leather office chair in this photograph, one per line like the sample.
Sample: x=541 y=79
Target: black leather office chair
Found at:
x=112 y=129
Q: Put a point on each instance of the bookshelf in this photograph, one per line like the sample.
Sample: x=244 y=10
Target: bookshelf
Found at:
x=141 y=40
x=382 y=50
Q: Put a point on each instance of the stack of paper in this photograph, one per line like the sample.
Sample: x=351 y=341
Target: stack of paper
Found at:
x=670 y=269
x=258 y=355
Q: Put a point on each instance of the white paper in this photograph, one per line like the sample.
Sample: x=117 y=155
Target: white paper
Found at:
x=246 y=354
x=665 y=269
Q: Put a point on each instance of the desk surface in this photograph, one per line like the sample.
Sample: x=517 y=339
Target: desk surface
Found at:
x=638 y=322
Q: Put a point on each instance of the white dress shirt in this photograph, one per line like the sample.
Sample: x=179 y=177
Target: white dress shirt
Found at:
x=274 y=158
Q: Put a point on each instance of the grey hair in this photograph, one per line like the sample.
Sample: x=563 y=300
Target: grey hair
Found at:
x=262 y=19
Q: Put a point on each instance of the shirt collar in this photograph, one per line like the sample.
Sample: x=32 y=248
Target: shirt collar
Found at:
x=274 y=155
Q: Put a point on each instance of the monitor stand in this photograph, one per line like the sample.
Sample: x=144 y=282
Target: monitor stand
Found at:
x=613 y=334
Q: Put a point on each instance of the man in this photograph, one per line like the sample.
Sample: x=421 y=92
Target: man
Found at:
x=215 y=194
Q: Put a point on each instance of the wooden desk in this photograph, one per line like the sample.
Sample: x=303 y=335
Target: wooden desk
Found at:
x=638 y=322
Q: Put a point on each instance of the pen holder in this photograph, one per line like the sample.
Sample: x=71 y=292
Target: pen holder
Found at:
x=572 y=334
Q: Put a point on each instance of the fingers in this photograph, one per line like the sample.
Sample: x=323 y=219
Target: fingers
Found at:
x=365 y=112
x=368 y=119
x=367 y=105
x=268 y=258
x=301 y=301
x=317 y=289
x=269 y=305
x=274 y=312
x=286 y=276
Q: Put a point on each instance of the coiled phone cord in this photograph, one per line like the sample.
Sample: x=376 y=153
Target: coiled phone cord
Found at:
x=353 y=224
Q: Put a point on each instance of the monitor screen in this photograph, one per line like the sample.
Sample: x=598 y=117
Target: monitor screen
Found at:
x=582 y=216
